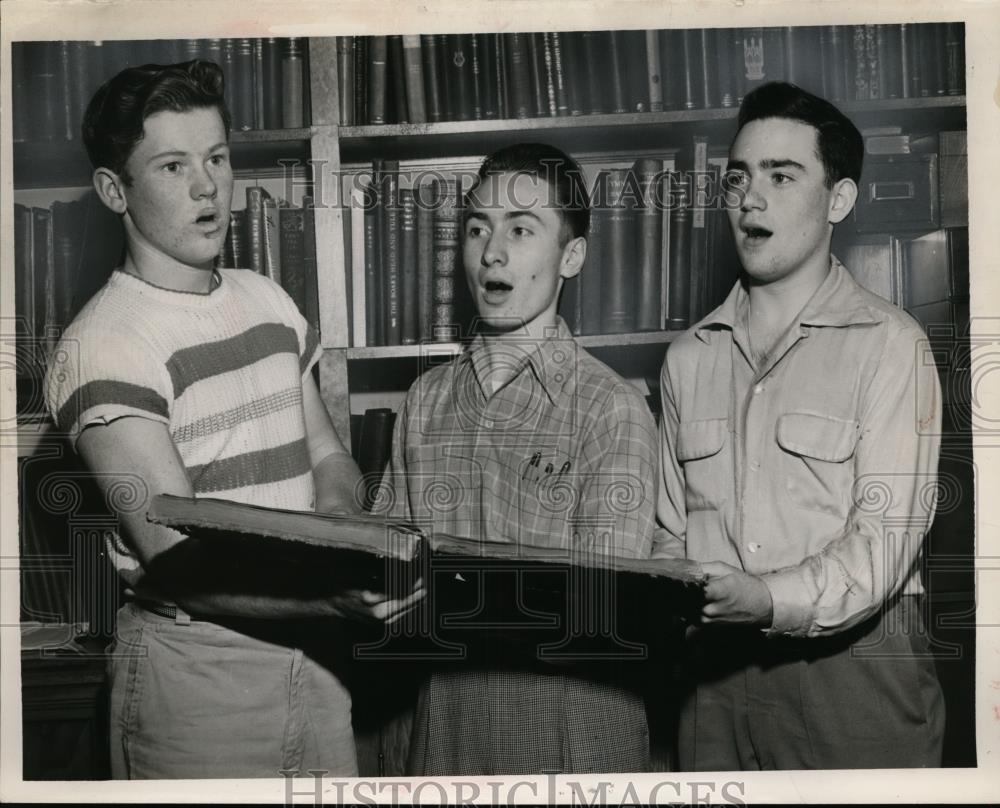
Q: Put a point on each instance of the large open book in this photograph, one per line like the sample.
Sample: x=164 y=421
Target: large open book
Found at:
x=473 y=586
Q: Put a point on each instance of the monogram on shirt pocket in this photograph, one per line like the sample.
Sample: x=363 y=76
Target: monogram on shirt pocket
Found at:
x=707 y=468
x=817 y=473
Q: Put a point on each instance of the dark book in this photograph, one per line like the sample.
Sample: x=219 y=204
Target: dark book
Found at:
x=679 y=261
x=373 y=260
x=255 y=229
x=292 y=84
x=309 y=262
x=594 y=268
x=461 y=82
x=654 y=75
x=907 y=62
x=409 y=302
x=293 y=255
x=445 y=77
x=242 y=92
x=447 y=215
x=227 y=61
x=859 y=60
x=357 y=419
x=345 y=79
x=476 y=82
x=554 y=43
x=43 y=251
x=937 y=63
x=374 y=450
x=594 y=52
x=362 y=79
x=432 y=84
x=890 y=47
x=649 y=174
x=425 y=260
x=67 y=237
x=692 y=88
x=519 y=74
x=875 y=81
x=619 y=277
x=64 y=82
x=617 y=45
x=502 y=75
x=536 y=63
x=24 y=274
x=416 y=105
x=259 y=83
x=391 y=257
x=46 y=99
x=695 y=162
x=272 y=238
x=378 y=55
x=396 y=108
x=835 y=62
x=636 y=71
x=955 y=58
x=273 y=116
x=488 y=79
x=574 y=72
x=213 y=50
x=21 y=91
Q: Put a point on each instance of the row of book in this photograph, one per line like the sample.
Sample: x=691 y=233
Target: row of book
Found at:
x=460 y=77
x=276 y=239
x=54 y=81
x=658 y=254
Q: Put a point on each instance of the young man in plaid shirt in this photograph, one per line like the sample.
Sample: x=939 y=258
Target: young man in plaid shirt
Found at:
x=527 y=439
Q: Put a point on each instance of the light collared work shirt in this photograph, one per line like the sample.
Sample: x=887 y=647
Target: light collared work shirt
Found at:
x=815 y=471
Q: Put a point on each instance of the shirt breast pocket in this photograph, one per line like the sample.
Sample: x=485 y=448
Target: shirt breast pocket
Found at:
x=444 y=488
x=817 y=452
x=704 y=452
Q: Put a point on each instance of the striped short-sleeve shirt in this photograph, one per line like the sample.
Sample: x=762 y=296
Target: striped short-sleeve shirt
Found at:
x=223 y=371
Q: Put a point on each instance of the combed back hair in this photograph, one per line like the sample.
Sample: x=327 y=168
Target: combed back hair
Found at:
x=558 y=169
x=839 y=143
x=114 y=120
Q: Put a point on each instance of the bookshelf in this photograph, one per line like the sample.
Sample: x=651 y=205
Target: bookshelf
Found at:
x=331 y=141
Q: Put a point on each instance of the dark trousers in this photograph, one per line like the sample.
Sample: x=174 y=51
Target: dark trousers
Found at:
x=867 y=698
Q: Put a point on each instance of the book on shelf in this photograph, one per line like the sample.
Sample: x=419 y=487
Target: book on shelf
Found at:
x=409 y=300
x=391 y=255
x=618 y=276
x=430 y=61
x=396 y=104
x=649 y=316
x=374 y=448
x=355 y=190
x=293 y=83
x=447 y=257
x=414 y=72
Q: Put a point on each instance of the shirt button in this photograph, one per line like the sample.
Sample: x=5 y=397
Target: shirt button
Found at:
x=758 y=389
x=753 y=547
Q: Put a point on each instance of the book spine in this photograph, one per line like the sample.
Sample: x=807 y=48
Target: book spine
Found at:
x=378 y=54
x=875 y=80
x=701 y=196
x=488 y=77
x=255 y=228
x=692 y=60
x=374 y=450
x=345 y=79
x=502 y=76
x=707 y=71
x=754 y=59
x=20 y=92
x=44 y=90
x=461 y=79
x=293 y=255
x=357 y=193
x=425 y=261
x=362 y=79
x=45 y=300
x=65 y=238
x=446 y=240
x=292 y=116
x=64 y=80
x=392 y=266
x=445 y=78
x=635 y=68
x=911 y=61
x=575 y=85
x=272 y=48
x=679 y=276
x=648 y=172
x=519 y=74
x=860 y=61
x=373 y=244
x=259 y=86
x=24 y=271
x=939 y=58
x=723 y=52
x=233 y=255
x=654 y=76
x=243 y=89
x=309 y=262
x=272 y=239
x=536 y=61
x=551 y=106
x=618 y=289
x=476 y=76
x=395 y=103
x=409 y=294
x=594 y=268
x=955 y=60
x=432 y=85
x=559 y=73
x=617 y=53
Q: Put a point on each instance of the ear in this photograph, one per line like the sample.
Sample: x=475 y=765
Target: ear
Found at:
x=110 y=189
x=573 y=256
x=842 y=198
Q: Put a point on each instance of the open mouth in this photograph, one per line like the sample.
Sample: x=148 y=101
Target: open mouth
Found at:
x=210 y=220
x=756 y=234
x=496 y=292
x=498 y=286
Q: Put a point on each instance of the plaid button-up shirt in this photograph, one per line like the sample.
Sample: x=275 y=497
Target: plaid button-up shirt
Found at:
x=817 y=470
x=561 y=455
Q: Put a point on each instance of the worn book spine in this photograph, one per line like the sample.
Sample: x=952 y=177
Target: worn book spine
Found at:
x=432 y=84
x=392 y=266
x=691 y=42
x=551 y=106
x=396 y=109
x=955 y=58
x=362 y=79
x=242 y=94
x=446 y=241
x=654 y=76
x=619 y=281
x=45 y=300
x=519 y=74
x=559 y=73
x=460 y=76
x=724 y=54
x=618 y=55
x=409 y=290
x=373 y=245
x=292 y=84
x=488 y=78
x=272 y=92
x=378 y=54
x=272 y=239
x=536 y=63
x=679 y=297
x=292 y=221
x=345 y=79
x=476 y=76
x=648 y=172
x=255 y=228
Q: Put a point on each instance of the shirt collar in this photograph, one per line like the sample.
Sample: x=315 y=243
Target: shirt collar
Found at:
x=837 y=303
x=550 y=359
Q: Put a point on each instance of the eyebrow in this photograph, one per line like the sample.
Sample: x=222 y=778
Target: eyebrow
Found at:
x=182 y=153
x=475 y=214
x=766 y=164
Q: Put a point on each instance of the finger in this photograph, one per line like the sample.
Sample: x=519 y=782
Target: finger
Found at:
x=717 y=569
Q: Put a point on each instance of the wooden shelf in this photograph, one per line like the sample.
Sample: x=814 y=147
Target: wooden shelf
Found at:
x=437 y=349
x=648 y=130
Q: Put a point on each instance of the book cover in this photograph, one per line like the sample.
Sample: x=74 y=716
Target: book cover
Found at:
x=413 y=60
x=696 y=161
x=955 y=58
x=374 y=449
x=691 y=65
x=446 y=258
x=707 y=69
x=259 y=83
x=67 y=239
x=46 y=99
x=409 y=303
x=356 y=193
x=649 y=172
x=432 y=85
x=24 y=272
x=292 y=84
x=551 y=105
x=476 y=68
x=242 y=92
x=725 y=81
x=374 y=226
x=362 y=79
x=46 y=306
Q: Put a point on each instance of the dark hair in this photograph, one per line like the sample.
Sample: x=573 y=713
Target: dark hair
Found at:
x=839 y=143
x=114 y=120
x=558 y=169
